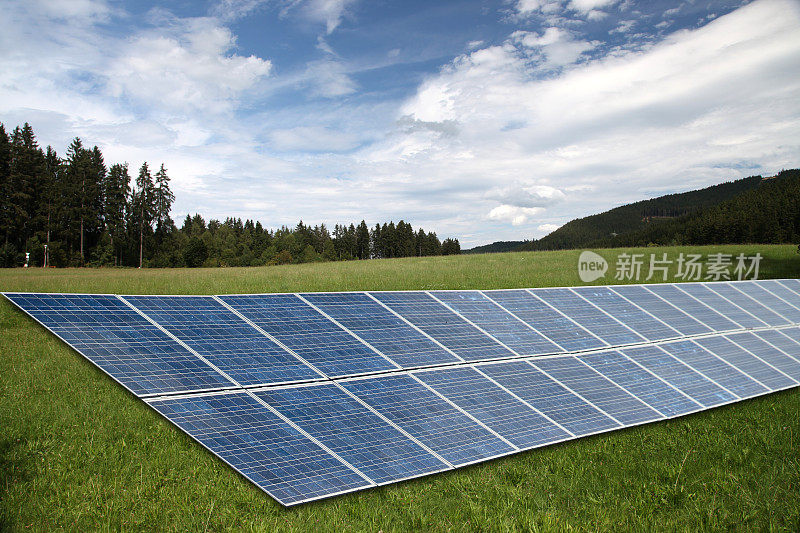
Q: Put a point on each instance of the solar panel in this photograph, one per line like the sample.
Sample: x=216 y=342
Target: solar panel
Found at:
x=694 y=307
x=452 y=331
x=498 y=322
x=601 y=324
x=781 y=291
x=735 y=296
x=662 y=309
x=386 y=331
x=554 y=400
x=713 y=300
x=121 y=342
x=318 y=394
x=231 y=344
x=643 y=384
x=715 y=369
x=509 y=416
x=747 y=362
x=636 y=318
x=554 y=325
x=358 y=435
x=593 y=387
x=436 y=423
x=309 y=334
x=680 y=375
x=261 y=446
x=770 y=300
x=767 y=352
x=791 y=284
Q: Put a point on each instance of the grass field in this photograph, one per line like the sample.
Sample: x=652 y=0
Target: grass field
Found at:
x=78 y=452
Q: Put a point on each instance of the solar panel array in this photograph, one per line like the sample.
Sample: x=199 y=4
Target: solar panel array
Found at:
x=313 y=395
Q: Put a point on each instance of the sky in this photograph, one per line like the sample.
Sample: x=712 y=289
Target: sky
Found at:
x=478 y=119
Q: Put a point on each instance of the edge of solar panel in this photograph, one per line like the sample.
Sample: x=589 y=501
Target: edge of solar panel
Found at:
x=62 y=339
x=233 y=389
x=218 y=456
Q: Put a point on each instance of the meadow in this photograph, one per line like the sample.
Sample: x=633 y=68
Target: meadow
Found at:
x=78 y=452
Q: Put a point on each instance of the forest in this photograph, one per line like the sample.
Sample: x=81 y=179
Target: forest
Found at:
x=76 y=210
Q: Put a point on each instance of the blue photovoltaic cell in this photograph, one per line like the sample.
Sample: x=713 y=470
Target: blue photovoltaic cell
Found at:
x=591 y=318
x=493 y=319
x=792 y=333
x=769 y=300
x=262 y=447
x=768 y=353
x=121 y=342
x=679 y=375
x=792 y=284
x=428 y=418
x=546 y=320
x=662 y=309
x=780 y=290
x=381 y=328
x=721 y=305
x=784 y=340
x=694 y=308
x=641 y=383
x=746 y=362
x=309 y=334
x=352 y=431
x=627 y=313
x=745 y=302
x=593 y=387
x=549 y=397
x=227 y=341
x=442 y=324
x=493 y=406
x=714 y=368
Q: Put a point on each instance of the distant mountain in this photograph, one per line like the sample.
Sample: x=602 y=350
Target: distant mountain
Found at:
x=638 y=216
x=748 y=210
x=495 y=247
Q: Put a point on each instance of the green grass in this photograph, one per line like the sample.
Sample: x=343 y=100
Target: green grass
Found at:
x=78 y=452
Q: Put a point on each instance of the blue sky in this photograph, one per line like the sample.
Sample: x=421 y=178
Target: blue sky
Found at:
x=483 y=120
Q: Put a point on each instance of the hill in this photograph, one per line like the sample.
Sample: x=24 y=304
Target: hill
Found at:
x=639 y=216
x=495 y=247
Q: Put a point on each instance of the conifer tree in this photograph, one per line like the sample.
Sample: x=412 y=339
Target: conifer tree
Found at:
x=144 y=205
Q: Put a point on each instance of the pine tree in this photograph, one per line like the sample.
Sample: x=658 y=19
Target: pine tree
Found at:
x=84 y=172
x=164 y=198
x=362 y=241
x=116 y=191
x=5 y=190
x=144 y=205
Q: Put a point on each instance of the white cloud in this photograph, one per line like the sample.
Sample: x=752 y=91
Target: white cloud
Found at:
x=330 y=79
x=586 y=6
x=557 y=46
x=517 y=216
x=547 y=228
x=188 y=66
x=329 y=12
x=526 y=196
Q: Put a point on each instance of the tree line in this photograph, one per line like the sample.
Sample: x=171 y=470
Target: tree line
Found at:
x=77 y=211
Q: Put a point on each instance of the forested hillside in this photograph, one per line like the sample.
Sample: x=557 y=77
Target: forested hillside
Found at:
x=495 y=247
x=768 y=213
x=85 y=213
x=639 y=216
